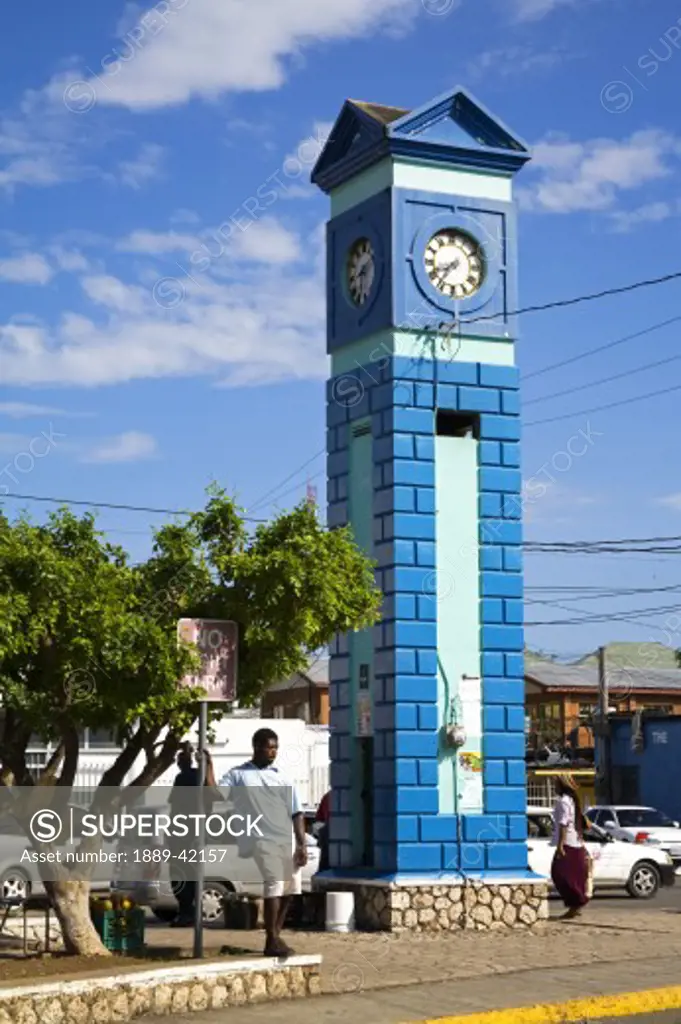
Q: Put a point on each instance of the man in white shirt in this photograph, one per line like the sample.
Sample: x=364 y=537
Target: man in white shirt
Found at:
x=262 y=771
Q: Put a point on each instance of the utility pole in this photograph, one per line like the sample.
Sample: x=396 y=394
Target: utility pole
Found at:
x=602 y=737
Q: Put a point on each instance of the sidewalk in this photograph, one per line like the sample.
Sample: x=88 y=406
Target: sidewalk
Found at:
x=362 y=961
x=445 y=1002
x=393 y=979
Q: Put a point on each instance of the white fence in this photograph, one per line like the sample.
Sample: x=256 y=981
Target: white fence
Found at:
x=303 y=756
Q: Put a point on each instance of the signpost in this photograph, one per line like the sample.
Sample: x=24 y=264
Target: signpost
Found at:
x=217 y=641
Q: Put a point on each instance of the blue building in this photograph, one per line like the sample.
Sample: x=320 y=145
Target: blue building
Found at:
x=427 y=709
x=645 y=762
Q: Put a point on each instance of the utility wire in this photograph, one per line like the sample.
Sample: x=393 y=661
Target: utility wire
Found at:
x=108 y=504
x=602 y=348
x=562 y=303
x=606 y=595
x=589 y=543
x=602 y=408
x=257 y=504
x=613 y=617
x=603 y=380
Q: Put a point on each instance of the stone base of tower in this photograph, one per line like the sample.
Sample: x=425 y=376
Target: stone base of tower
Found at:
x=419 y=905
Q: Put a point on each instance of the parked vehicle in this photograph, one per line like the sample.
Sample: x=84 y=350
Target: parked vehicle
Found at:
x=19 y=876
x=632 y=824
x=639 y=869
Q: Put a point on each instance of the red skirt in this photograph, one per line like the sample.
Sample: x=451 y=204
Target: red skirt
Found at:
x=570 y=874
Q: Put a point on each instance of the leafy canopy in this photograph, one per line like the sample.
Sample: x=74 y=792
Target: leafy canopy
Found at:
x=88 y=639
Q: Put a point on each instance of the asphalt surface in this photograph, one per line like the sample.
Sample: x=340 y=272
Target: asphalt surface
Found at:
x=667 y=899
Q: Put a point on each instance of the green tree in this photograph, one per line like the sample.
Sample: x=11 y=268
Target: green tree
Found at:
x=88 y=640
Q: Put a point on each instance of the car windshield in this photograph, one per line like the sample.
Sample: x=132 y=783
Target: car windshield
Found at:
x=634 y=817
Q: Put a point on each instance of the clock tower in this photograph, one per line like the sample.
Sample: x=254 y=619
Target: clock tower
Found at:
x=428 y=820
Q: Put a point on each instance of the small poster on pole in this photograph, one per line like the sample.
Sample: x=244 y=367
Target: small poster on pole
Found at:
x=217 y=641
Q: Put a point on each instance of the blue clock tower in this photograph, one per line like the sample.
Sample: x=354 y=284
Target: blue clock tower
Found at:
x=428 y=821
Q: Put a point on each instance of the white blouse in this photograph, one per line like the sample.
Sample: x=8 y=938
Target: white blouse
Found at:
x=564 y=815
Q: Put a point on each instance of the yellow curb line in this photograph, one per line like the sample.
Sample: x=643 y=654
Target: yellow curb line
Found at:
x=594 y=1008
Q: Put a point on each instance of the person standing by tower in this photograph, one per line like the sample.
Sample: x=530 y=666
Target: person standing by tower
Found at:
x=181 y=802
x=262 y=771
x=570 y=867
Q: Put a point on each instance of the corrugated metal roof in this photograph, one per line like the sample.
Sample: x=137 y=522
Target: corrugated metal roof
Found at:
x=620 y=677
x=316 y=674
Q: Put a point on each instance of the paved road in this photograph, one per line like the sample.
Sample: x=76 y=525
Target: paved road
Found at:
x=669 y=899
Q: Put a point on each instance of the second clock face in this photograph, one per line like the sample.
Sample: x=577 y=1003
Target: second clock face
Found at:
x=361 y=271
x=455 y=264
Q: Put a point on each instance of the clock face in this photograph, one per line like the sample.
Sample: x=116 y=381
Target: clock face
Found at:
x=361 y=271
x=455 y=264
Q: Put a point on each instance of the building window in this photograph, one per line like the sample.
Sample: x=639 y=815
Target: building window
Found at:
x=545 y=724
x=101 y=738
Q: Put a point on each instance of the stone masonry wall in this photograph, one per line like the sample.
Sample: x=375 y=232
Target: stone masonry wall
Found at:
x=436 y=908
x=127 y=996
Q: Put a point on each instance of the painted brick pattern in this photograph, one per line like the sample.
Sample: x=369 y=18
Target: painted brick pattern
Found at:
x=400 y=397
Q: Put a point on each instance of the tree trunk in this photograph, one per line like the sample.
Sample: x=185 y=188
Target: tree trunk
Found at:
x=71 y=900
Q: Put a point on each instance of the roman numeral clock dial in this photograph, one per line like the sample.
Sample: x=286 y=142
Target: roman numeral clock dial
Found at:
x=455 y=264
x=361 y=271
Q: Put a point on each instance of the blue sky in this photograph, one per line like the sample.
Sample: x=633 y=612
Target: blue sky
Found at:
x=128 y=134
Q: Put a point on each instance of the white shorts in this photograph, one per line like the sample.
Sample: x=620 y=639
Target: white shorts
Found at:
x=293 y=887
x=272 y=869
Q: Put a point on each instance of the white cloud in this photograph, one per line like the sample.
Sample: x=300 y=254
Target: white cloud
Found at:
x=157 y=243
x=241 y=238
x=624 y=221
x=534 y=10
x=545 y=503
x=28 y=268
x=591 y=175
x=515 y=60
x=183 y=216
x=105 y=290
x=144 y=168
x=247 y=323
x=39 y=142
x=69 y=260
x=26 y=410
x=206 y=48
x=671 y=501
x=131 y=446
x=266 y=241
x=12 y=444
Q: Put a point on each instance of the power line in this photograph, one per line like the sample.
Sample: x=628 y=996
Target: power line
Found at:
x=616 y=540
x=257 y=504
x=609 y=541
x=602 y=408
x=602 y=348
x=625 y=616
x=109 y=504
x=606 y=594
x=603 y=380
x=581 y=298
x=295 y=487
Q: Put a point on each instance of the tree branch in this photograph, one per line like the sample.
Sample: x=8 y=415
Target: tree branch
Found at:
x=51 y=769
x=156 y=766
x=71 y=751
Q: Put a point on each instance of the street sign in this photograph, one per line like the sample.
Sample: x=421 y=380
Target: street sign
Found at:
x=218 y=644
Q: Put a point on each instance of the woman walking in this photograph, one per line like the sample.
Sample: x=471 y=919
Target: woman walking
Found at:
x=570 y=867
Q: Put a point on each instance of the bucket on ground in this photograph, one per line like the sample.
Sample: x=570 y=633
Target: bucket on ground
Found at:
x=340 y=912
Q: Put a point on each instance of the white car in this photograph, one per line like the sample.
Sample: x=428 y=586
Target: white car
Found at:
x=639 y=869
x=19 y=875
x=633 y=824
